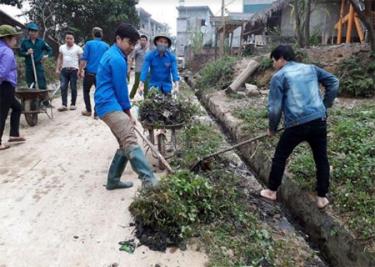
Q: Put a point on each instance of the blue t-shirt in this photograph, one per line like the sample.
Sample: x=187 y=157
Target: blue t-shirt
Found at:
x=111 y=93
x=162 y=70
x=93 y=52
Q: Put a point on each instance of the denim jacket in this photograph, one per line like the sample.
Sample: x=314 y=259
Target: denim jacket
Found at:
x=295 y=92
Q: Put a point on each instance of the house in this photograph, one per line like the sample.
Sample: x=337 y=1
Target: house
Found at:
x=192 y=20
x=277 y=22
x=254 y=6
x=149 y=26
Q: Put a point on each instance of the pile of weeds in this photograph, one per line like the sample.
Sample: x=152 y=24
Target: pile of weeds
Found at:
x=212 y=206
x=160 y=109
x=217 y=74
x=357 y=76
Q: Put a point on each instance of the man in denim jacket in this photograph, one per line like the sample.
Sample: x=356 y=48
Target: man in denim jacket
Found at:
x=295 y=93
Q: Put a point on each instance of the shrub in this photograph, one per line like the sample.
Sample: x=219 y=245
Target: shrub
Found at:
x=217 y=74
x=357 y=76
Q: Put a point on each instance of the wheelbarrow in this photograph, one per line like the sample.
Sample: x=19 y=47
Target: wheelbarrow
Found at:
x=165 y=146
x=32 y=99
x=32 y=103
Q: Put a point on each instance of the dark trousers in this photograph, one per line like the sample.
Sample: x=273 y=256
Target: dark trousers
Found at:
x=30 y=79
x=137 y=77
x=315 y=134
x=8 y=101
x=68 y=76
x=88 y=81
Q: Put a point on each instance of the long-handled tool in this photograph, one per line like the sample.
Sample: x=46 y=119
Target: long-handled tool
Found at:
x=154 y=150
x=198 y=164
x=34 y=71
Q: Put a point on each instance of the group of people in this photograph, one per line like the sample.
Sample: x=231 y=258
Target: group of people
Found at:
x=294 y=94
x=106 y=67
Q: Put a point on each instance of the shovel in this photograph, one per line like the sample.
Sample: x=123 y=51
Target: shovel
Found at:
x=34 y=71
x=199 y=163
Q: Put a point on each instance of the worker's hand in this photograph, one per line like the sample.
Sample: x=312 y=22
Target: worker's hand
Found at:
x=141 y=88
x=30 y=51
x=271 y=133
x=81 y=74
x=58 y=71
x=176 y=87
x=44 y=58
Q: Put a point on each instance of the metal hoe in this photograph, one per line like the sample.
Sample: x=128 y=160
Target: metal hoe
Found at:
x=197 y=165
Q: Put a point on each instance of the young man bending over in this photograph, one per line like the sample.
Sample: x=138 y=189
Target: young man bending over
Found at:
x=113 y=107
x=294 y=92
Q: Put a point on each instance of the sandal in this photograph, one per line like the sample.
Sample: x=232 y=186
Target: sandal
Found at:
x=17 y=139
x=3 y=147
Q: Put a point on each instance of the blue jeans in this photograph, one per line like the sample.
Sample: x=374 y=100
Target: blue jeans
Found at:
x=68 y=76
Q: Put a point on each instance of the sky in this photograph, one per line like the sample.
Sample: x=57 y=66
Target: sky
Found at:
x=165 y=11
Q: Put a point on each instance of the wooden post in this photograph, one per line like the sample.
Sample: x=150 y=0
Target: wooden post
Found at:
x=350 y=25
x=339 y=28
x=358 y=26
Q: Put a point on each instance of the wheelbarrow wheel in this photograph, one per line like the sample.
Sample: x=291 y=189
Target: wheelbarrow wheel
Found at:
x=162 y=148
x=31 y=119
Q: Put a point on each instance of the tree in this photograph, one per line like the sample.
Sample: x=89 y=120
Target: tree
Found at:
x=17 y=3
x=357 y=5
x=302 y=10
x=44 y=13
x=80 y=16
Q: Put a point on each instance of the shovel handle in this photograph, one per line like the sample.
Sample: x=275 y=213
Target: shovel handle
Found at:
x=34 y=71
x=160 y=156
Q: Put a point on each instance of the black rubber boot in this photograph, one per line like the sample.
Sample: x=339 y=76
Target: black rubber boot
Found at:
x=115 y=171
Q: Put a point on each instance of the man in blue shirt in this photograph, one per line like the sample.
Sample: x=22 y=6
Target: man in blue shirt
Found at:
x=113 y=107
x=162 y=65
x=295 y=93
x=92 y=53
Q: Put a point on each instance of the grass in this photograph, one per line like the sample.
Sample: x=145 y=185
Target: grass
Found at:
x=351 y=150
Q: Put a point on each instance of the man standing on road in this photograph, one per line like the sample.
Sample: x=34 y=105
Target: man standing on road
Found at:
x=295 y=92
x=40 y=50
x=113 y=107
x=162 y=65
x=8 y=82
x=67 y=67
x=92 y=53
x=139 y=57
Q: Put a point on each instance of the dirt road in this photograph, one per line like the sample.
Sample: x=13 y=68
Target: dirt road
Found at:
x=54 y=210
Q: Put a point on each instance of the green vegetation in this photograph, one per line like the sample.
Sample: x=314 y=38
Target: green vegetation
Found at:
x=352 y=157
x=357 y=76
x=49 y=68
x=217 y=74
x=211 y=206
x=265 y=64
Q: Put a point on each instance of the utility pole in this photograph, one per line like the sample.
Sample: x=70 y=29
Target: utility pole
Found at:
x=222 y=35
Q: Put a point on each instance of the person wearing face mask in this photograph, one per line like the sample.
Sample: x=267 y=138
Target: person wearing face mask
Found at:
x=162 y=65
x=112 y=105
x=8 y=82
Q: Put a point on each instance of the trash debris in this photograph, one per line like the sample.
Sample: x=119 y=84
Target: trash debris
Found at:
x=127 y=246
